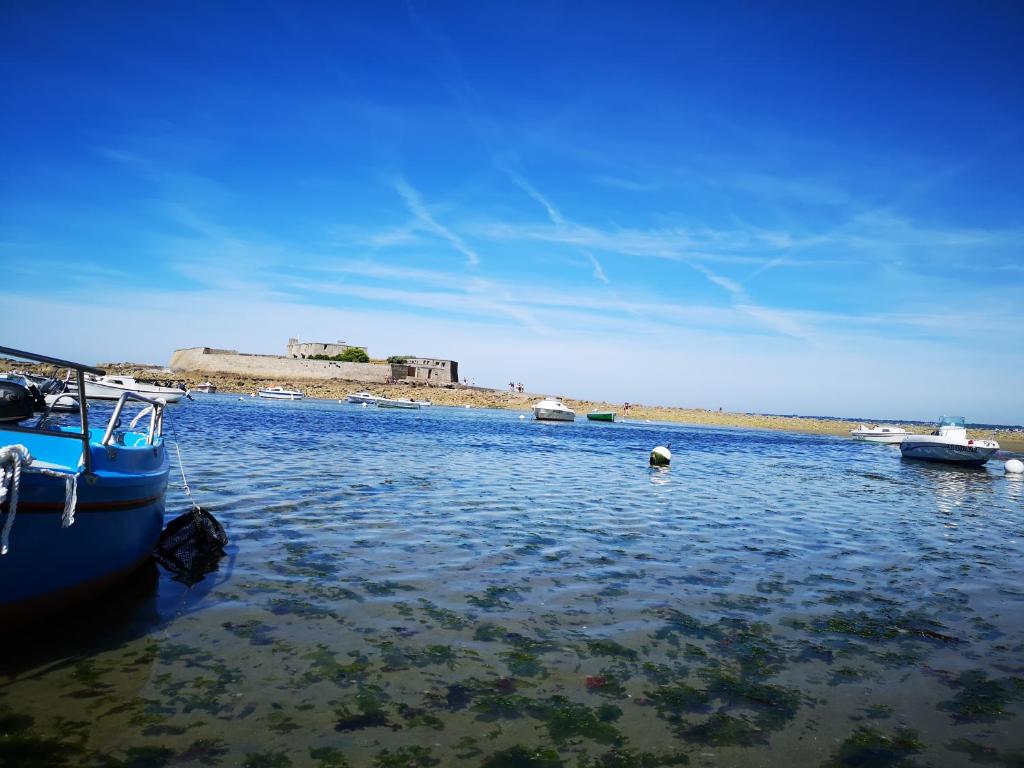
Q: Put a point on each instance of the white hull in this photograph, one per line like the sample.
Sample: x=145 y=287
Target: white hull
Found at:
x=949 y=443
x=880 y=438
x=383 y=402
x=270 y=394
x=362 y=397
x=206 y=389
x=553 y=414
x=64 y=403
x=914 y=448
x=109 y=390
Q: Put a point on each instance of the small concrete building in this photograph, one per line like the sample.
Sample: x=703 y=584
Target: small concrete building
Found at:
x=427 y=370
x=307 y=349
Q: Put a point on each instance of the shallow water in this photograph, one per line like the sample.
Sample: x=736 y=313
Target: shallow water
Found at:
x=465 y=588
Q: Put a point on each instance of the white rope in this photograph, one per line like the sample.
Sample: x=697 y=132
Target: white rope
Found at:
x=11 y=459
x=14 y=459
x=184 y=482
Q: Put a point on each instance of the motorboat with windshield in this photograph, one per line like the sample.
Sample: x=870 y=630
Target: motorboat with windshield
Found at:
x=280 y=393
x=112 y=387
x=80 y=507
x=877 y=434
x=362 y=397
x=550 y=409
x=949 y=443
x=387 y=402
x=207 y=388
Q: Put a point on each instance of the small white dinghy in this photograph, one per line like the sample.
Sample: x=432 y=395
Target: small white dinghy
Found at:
x=551 y=409
x=949 y=443
x=877 y=434
x=279 y=393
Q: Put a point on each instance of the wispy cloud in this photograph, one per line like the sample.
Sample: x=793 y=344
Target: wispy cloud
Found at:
x=598 y=270
x=520 y=181
x=415 y=204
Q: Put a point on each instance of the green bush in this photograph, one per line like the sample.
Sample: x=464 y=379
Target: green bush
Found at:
x=399 y=359
x=350 y=355
x=354 y=355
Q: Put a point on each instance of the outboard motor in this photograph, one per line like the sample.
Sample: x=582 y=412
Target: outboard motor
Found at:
x=16 y=402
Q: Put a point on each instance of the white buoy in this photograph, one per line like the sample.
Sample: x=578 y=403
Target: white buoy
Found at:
x=521 y=416
x=1014 y=467
x=661 y=456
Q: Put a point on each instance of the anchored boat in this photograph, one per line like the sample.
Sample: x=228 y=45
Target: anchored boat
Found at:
x=601 y=416
x=112 y=387
x=279 y=393
x=207 y=388
x=876 y=434
x=80 y=508
x=362 y=397
x=949 y=443
x=551 y=409
x=384 y=402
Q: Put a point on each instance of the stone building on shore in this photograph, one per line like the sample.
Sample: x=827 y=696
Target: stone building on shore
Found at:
x=296 y=365
x=300 y=350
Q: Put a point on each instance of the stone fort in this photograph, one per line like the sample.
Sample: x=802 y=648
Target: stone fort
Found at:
x=295 y=364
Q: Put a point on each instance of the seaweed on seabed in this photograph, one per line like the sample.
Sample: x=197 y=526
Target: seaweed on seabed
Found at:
x=406 y=757
x=722 y=730
x=980 y=698
x=621 y=757
x=869 y=747
x=521 y=757
x=979 y=753
x=566 y=719
x=21 y=746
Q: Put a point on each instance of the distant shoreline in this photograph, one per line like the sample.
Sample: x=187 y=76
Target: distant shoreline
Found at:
x=482 y=397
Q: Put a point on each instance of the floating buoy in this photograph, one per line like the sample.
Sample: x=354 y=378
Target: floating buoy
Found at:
x=521 y=416
x=1014 y=467
x=366 y=405
x=661 y=456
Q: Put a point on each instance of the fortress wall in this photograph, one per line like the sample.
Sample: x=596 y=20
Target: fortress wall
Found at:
x=207 y=360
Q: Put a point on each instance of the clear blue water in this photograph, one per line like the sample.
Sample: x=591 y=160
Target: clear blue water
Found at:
x=466 y=588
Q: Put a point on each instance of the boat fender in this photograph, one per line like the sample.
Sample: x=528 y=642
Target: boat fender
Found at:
x=661 y=456
x=1014 y=467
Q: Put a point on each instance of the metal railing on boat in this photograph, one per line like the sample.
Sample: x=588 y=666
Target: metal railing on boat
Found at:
x=156 y=408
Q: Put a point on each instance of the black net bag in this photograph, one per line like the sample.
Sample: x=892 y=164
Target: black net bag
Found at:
x=191 y=545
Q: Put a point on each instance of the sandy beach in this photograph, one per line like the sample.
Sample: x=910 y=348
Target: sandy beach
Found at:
x=481 y=397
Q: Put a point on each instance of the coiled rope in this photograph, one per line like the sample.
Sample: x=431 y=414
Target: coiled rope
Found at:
x=15 y=459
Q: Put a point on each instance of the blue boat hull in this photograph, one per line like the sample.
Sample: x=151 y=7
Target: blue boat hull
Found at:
x=118 y=520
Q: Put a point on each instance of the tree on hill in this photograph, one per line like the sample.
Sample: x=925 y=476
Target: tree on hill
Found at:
x=350 y=355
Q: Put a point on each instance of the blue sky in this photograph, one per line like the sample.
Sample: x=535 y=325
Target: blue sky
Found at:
x=781 y=207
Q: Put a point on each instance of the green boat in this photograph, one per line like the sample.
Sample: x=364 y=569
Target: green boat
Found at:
x=601 y=415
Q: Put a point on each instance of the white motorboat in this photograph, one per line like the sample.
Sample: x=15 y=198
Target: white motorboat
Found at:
x=362 y=397
x=423 y=403
x=949 y=443
x=384 y=402
x=112 y=387
x=207 y=388
x=551 y=409
x=877 y=434
x=279 y=393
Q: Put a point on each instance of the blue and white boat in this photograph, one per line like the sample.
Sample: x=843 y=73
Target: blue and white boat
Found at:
x=80 y=508
x=949 y=443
